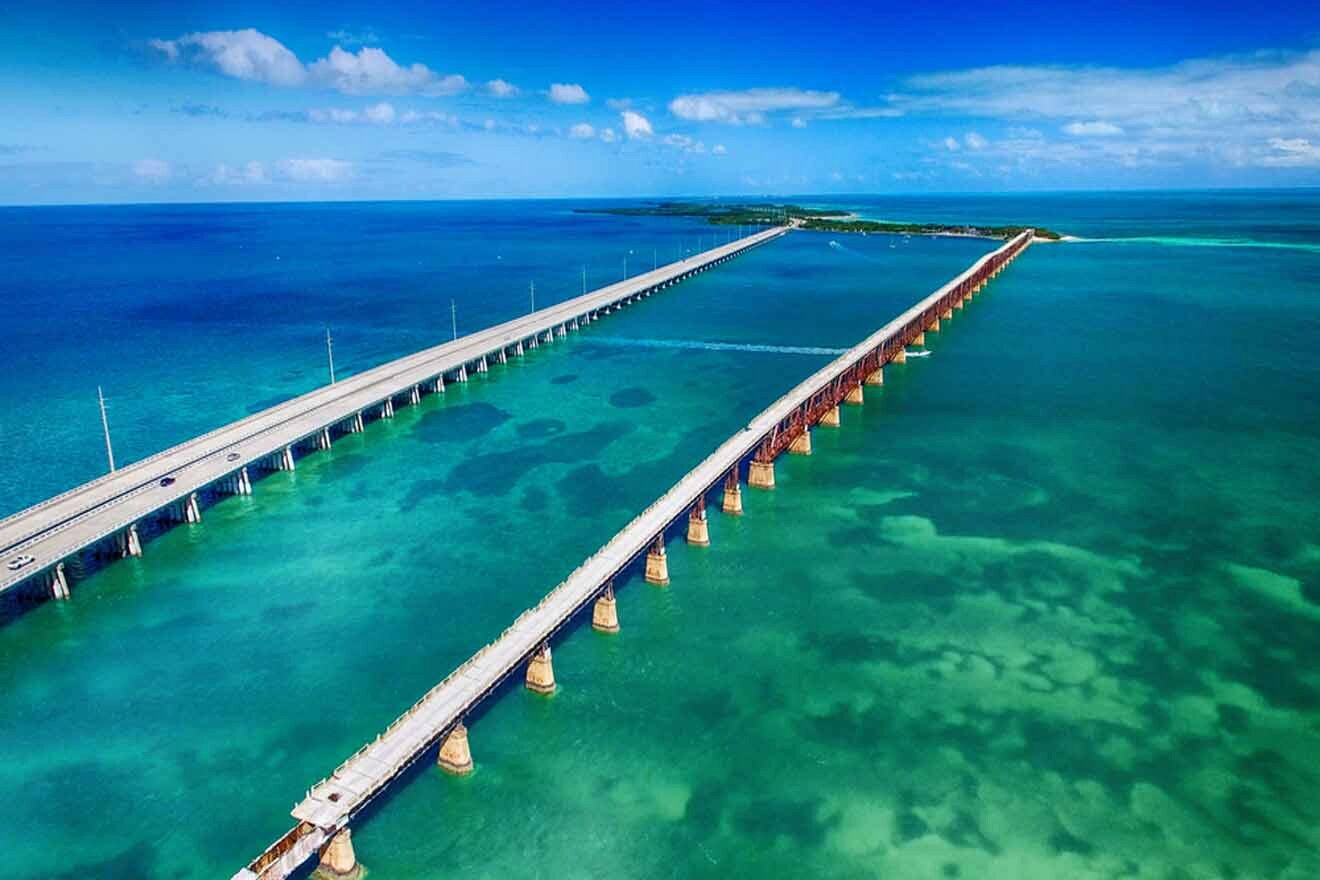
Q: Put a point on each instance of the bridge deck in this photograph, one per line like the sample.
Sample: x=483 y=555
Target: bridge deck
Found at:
x=331 y=803
x=62 y=526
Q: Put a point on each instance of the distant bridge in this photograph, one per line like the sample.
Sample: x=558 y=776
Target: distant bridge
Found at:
x=103 y=518
x=325 y=813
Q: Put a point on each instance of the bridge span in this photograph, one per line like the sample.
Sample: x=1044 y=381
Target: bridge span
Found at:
x=50 y=541
x=325 y=813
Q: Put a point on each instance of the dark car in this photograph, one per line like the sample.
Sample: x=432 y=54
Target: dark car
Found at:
x=233 y=456
x=167 y=481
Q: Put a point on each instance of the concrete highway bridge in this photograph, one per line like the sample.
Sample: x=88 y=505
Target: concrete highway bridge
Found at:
x=50 y=543
x=325 y=814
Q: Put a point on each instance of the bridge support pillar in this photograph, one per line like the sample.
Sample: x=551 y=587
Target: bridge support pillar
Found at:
x=482 y=367
x=855 y=396
x=415 y=395
x=876 y=377
x=657 y=565
x=338 y=861
x=284 y=460
x=561 y=331
x=131 y=544
x=502 y=357
x=549 y=337
x=387 y=408
x=59 y=584
x=191 y=512
x=900 y=356
x=761 y=474
x=541 y=672
x=455 y=756
x=948 y=314
x=242 y=482
x=605 y=613
x=698 y=532
x=958 y=303
x=801 y=444
x=573 y=324
x=732 y=503
x=323 y=439
x=355 y=425
x=462 y=374
x=532 y=343
x=934 y=326
x=920 y=340
x=831 y=417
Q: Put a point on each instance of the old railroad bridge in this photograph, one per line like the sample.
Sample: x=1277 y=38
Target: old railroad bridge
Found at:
x=434 y=726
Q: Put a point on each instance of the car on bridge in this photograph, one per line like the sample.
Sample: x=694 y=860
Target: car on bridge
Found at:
x=167 y=481
x=22 y=560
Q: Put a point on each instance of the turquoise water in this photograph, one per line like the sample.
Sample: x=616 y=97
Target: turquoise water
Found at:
x=1046 y=606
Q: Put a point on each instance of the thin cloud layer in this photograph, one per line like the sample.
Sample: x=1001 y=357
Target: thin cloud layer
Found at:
x=748 y=107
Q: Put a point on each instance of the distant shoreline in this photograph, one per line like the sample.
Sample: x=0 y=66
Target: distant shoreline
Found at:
x=816 y=219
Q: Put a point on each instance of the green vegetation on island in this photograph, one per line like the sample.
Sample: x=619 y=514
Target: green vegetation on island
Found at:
x=820 y=219
x=884 y=227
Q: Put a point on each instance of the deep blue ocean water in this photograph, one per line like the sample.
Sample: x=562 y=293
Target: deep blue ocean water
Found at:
x=1046 y=606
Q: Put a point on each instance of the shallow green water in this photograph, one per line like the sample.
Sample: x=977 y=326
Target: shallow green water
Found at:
x=1044 y=607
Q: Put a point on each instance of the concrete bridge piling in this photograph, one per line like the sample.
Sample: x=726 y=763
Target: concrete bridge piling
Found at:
x=338 y=861
x=732 y=501
x=541 y=671
x=455 y=755
x=698 y=532
x=657 y=563
x=605 y=613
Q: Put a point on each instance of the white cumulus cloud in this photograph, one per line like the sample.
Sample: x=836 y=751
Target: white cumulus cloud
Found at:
x=501 y=89
x=749 y=106
x=249 y=54
x=608 y=135
x=245 y=54
x=568 y=93
x=635 y=125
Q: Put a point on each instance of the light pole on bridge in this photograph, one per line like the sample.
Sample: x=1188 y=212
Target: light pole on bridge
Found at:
x=330 y=354
x=453 y=316
x=532 y=288
x=105 y=427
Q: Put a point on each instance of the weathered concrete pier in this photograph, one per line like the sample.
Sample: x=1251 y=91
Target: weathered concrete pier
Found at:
x=104 y=517
x=438 y=718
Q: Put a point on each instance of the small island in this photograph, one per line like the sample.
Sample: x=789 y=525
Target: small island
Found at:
x=818 y=219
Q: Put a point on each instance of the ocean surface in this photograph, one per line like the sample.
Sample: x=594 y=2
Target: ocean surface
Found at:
x=1047 y=605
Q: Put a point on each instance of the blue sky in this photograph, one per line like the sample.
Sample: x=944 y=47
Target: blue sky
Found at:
x=180 y=101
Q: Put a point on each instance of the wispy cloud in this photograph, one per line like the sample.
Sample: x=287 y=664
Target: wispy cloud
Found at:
x=153 y=170
x=316 y=170
x=568 y=93
x=582 y=131
x=199 y=110
x=251 y=55
x=435 y=158
x=246 y=174
x=345 y=37
x=748 y=107
x=1092 y=128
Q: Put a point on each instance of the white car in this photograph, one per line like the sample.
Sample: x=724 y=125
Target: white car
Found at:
x=20 y=561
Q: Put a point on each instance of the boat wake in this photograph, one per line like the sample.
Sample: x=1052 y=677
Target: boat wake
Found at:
x=702 y=345
x=1177 y=241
